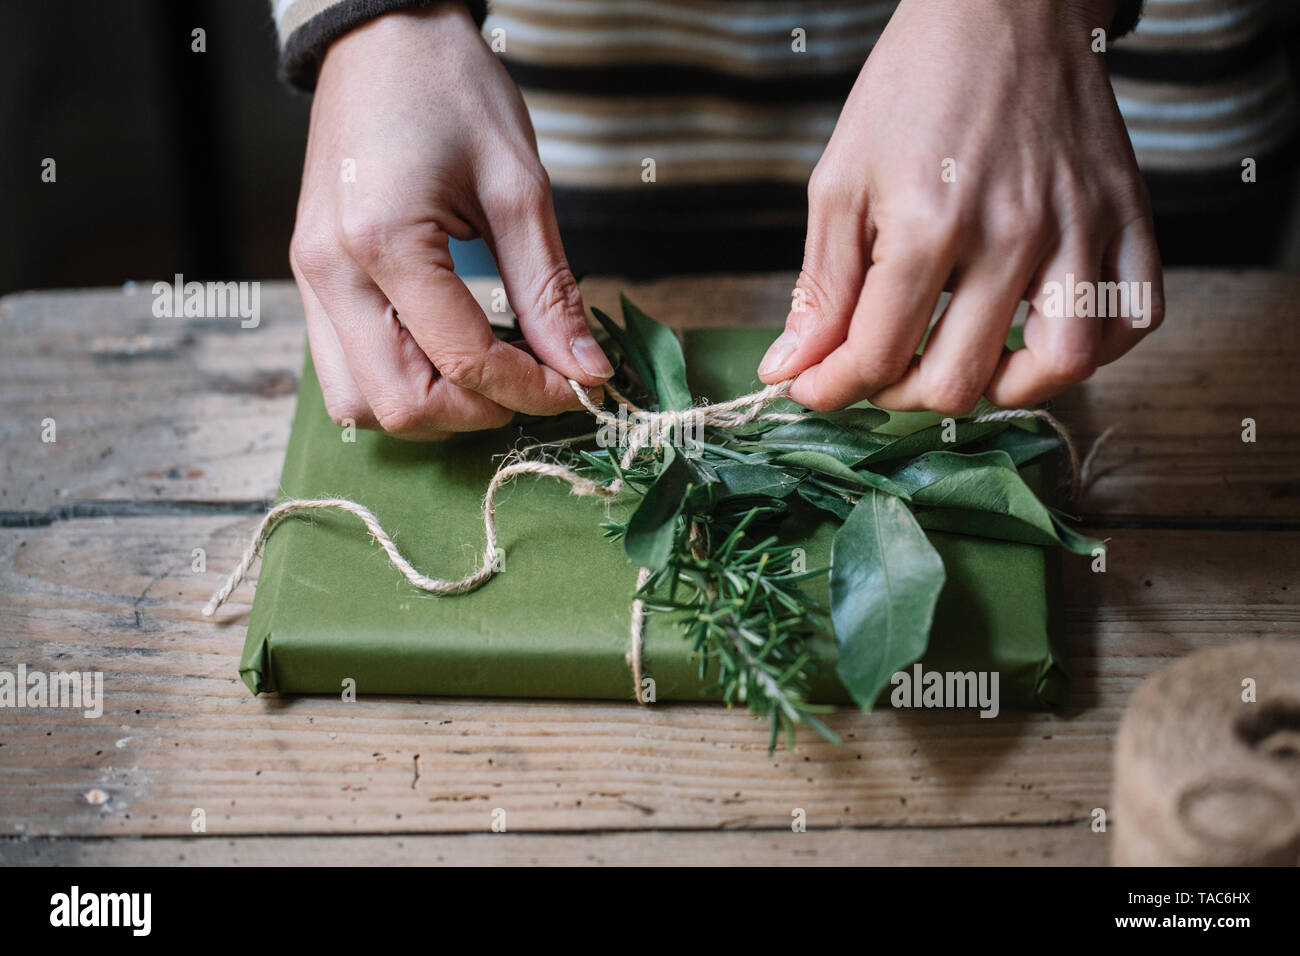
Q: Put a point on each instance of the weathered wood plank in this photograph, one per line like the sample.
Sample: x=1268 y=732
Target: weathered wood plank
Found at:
x=180 y=732
x=176 y=410
x=153 y=414
x=1073 y=845
x=146 y=409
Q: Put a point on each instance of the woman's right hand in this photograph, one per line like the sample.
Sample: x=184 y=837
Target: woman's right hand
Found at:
x=418 y=134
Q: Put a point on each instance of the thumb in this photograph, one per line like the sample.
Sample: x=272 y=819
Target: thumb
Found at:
x=542 y=290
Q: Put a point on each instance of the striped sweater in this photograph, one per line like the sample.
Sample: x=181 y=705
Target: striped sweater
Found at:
x=736 y=116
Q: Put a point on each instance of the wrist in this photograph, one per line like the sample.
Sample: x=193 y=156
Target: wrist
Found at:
x=308 y=33
x=398 y=25
x=1098 y=13
x=1075 y=13
x=402 y=39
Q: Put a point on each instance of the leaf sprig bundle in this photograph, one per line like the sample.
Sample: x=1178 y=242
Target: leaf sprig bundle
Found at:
x=709 y=530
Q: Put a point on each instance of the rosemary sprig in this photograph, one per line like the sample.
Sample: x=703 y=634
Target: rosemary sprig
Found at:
x=709 y=509
x=748 y=621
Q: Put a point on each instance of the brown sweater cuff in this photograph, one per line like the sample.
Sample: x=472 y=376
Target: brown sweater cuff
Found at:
x=1127 y=15
x=303 y=48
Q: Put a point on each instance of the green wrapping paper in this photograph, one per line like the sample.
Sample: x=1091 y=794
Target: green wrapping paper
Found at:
x=556 y=622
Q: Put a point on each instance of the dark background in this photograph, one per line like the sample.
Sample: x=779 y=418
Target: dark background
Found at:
x=174 y=161
x=168 y=161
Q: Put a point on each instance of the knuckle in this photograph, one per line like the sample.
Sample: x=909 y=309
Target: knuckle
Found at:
x=824 y=186
x=813 y=301
x=1085 y=208
x=884 y=369
x=366 y=232
x=1157 y=311
x=524 y=185
x=1127 y=196
x=560 y=292
x=463 y=369
x=952 y=396
x=401 y=417
x=309 y=256
x=498 y=418
x=346 y=410
x=1013 y=226
x=1068 y=366
x=926 y=228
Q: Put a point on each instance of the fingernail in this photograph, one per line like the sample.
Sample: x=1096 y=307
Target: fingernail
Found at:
x=590 y=356
x=780 y=350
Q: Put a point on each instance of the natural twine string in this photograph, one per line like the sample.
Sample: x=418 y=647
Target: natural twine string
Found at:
x=644 y=429
x=1009 y=414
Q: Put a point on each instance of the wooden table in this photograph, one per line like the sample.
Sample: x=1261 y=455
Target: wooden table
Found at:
x=170 y=437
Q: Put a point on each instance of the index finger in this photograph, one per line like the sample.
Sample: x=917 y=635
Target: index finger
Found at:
x=416 y=275
x=894 y=310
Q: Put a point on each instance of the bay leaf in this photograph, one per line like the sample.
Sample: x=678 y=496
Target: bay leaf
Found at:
x=822 y=464
x=858 y=419
x=885 y=580
x=651 y=529
x=985 y=495
x=826 y=500
x=932 y=439
x=740 y=478
x=664 y=354
x=927 y=468
x=1021 y=444
x=823 y=437
x=633 y=350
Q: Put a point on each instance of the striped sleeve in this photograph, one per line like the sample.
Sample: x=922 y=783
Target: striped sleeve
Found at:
x=1204 y=86
x=306 y=28
x=701 y=120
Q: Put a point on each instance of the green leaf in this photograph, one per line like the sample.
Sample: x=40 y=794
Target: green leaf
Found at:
x=743 y=479
x=632 y=350
x=924 y=470
x=663 y=352
x=819 y=436
x=1021 y=444
x=822 y=464
x=834 y=468
x=858 y=419
x=873 y=480
x=828 y=501
x=932 y=439
x=984 y=495
x=702 y=473
x=885 y=581
x=652 y=527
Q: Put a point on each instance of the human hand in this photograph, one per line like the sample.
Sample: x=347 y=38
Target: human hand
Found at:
x=417 y=134
x=1044 y=186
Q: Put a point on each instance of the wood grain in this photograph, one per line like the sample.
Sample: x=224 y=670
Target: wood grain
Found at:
x=945 y=846
x=170 y=437
x=180 y=732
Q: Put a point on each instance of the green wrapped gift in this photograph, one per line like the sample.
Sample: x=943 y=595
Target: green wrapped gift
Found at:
x=330 y=608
